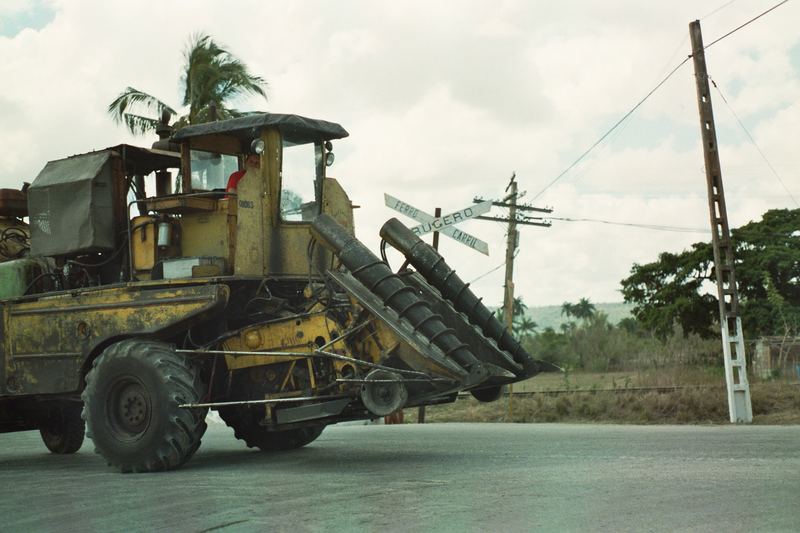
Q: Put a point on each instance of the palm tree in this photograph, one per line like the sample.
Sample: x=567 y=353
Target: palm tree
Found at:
x=211 y=78
x=584 y=309
x=525 y=328
x=518 y=308
x=521 y=325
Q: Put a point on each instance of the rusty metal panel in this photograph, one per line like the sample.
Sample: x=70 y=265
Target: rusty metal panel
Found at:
x=47 y=340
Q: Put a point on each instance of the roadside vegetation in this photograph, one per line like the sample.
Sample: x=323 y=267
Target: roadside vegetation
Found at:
x=664 y=363
x=774 y=402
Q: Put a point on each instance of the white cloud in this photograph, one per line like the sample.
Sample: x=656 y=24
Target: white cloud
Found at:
x=443 y=101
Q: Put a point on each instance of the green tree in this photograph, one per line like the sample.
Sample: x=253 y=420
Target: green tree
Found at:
x=212 y=77
x=675 y=289
x=521 y=325
x=583 y=310
x=525 y=327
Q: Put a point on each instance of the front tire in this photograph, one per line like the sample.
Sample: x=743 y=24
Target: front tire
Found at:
x=63 y=429
x=131 y=406
x=244 y=422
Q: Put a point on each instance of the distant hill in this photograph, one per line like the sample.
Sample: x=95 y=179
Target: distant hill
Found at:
x=550 y=315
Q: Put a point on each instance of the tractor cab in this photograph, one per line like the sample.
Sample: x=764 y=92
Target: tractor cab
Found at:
x=260 y=228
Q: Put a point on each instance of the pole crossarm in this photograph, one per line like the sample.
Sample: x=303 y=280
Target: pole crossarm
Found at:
x=520 y=207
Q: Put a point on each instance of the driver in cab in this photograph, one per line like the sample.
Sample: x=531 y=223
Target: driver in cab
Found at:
x=251 y=161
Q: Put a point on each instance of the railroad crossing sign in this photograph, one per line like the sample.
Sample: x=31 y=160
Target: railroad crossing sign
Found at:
x=444 y=224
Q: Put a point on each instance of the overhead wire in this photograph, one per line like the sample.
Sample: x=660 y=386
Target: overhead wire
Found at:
x=717 y=10
x=495 y=269
x=648 y=95
x=658 y=227
x=619 y=131
x=610 y=130
x=715 y=41
x=627 y=115
x=752 y=140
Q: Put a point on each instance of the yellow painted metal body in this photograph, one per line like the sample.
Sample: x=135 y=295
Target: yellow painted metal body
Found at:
x=252 y=235
x=211 y=233
x=47 y=341
x=265 y=244
x=301 y=334
x=144 y=243
x=245 y=229
x=304 y=334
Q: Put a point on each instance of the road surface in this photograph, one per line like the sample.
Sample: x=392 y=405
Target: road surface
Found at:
x=437 y=477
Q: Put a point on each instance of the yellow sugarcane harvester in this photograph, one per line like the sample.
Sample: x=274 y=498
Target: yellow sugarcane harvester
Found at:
x=136 y=313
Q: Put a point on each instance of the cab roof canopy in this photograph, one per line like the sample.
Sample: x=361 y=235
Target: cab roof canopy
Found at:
x=294 y=128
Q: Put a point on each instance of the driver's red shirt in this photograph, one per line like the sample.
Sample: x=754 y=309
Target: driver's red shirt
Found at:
x=233 y=180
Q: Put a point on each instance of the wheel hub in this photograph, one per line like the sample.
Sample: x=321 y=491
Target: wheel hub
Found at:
x=383 y=392
x=130 y=408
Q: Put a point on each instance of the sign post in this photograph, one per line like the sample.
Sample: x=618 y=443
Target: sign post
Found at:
x=436 y=213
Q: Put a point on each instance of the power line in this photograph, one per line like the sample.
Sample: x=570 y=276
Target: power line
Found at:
x=712 y=43
x=720 y=8
x=648 y=95
x=657 y=227
x=607 y=133
x=752 y=140
x=495 y=269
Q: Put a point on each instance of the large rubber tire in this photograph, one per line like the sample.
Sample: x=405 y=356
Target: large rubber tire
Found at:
x=131 y=408
x=244 y=422
x=63 y=429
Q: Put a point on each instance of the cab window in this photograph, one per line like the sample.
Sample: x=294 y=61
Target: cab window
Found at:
x=210 y=170
x=299 y=200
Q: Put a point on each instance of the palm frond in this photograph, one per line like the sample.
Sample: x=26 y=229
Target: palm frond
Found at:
x=139 y=125
x=134 y=99
x=214 y=75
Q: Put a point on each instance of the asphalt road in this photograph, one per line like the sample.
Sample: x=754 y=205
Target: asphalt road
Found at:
x=438 y=477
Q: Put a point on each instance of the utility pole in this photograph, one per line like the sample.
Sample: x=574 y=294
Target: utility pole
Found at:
x=512 y=242
x=739 y=404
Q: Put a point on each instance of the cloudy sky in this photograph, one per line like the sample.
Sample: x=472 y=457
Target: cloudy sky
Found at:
x=443 y=101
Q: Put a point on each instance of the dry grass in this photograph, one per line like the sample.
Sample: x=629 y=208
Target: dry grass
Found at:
x=773 y=403
x=664 y=377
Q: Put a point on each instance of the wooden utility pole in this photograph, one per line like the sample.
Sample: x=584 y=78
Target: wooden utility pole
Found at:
x=739 y=404
x=512 y=242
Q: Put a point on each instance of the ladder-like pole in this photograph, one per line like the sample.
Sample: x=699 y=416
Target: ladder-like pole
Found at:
x=739 y=404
